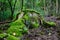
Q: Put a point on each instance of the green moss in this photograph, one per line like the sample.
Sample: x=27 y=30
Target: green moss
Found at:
x=0 y=31
x=51 y=23
x=31 y=10
x=26 y=16
x=25 y=30
x=35 y=24
x=10 y=37
x=17 y=28
x=17 y=22
x=2 y=35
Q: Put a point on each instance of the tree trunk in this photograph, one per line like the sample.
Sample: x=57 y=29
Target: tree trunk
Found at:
x=44 y=6
x=56 y=6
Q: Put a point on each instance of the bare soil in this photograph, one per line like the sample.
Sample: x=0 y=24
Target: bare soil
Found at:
x=43 y=33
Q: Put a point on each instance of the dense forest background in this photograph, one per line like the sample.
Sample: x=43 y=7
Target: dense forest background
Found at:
x=18 y=18
x=10 y=8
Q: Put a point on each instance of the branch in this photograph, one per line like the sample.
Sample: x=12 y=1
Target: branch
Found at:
x=22 y=5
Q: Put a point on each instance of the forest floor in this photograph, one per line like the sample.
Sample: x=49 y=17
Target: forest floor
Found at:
x=43 y=33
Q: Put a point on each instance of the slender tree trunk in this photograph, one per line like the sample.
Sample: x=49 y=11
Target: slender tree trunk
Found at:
x=50 y=8
x=56 y=6
x=33 y=4
x=12 y=8
x=22 y=5
x=45 y=6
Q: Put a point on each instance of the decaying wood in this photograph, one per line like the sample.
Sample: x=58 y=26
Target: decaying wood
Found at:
x=34 y=13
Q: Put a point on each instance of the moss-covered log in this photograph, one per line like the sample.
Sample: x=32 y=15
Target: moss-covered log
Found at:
x=40 y=18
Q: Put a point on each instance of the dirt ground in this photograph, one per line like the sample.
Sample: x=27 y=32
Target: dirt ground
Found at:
x=43 y=33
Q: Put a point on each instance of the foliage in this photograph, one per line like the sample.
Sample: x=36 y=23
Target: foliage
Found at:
x=6 y=11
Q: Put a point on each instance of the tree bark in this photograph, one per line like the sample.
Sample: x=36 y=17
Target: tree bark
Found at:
x=56 y=6
x=12 y=8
